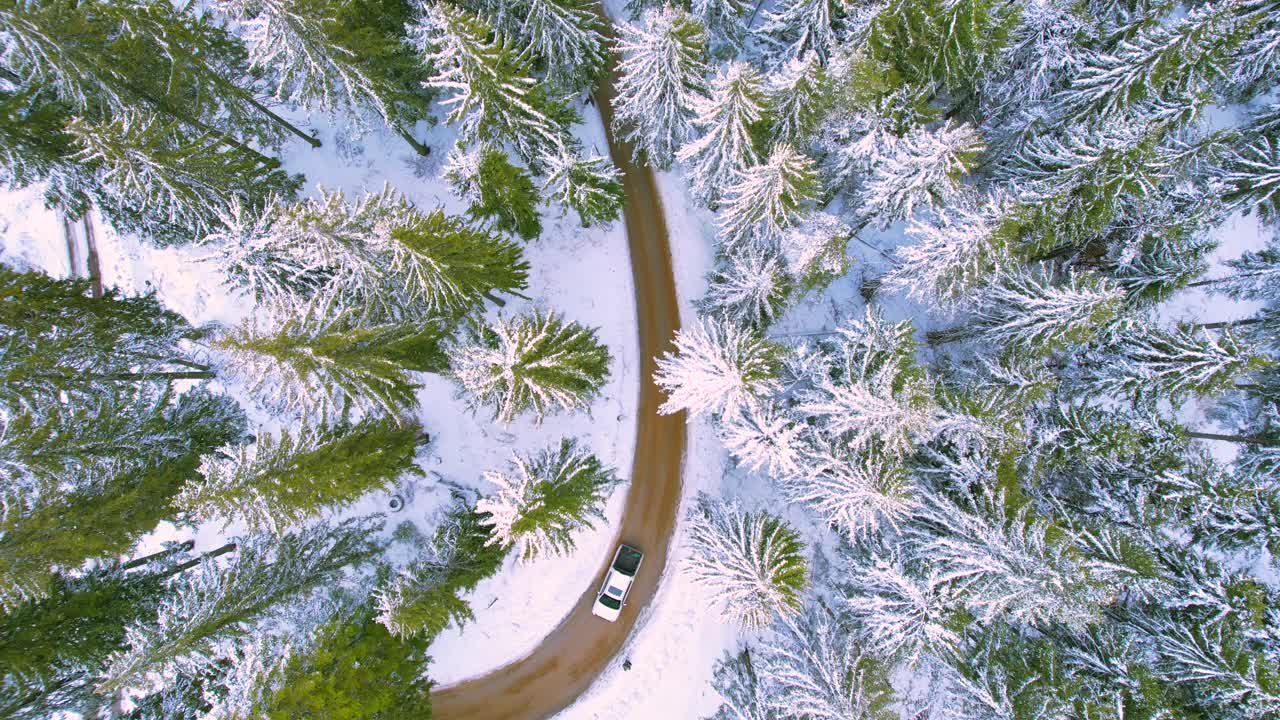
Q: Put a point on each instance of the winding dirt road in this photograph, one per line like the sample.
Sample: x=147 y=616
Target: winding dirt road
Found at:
x=569 y=659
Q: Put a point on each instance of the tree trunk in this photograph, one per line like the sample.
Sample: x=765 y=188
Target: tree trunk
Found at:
x=145 y=559
x=216 y=552
x=869 y=287
x=949 y=335
x=248 y=96
x=1247 y=439
x=127 y=376
x=164 y=107
x=422 y=149
x=1228 y=323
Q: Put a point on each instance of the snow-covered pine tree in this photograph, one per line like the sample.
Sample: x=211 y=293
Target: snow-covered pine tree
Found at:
x=764 y=437
x=51 y=649
x=297 y=43
x=723 y=19
x=1229 y=676
x=1255 y=276
x=799 y=98
x=744 y=694
x=501 y=193
x=1161 y=62
x=378 y=254
x=922 y=169
x=900 y=616
x=543 y=499
x=281 y=481
x=860 y=493
x=590 y=185
x=491 y=94
x=749 y=288
x=1038 y=310
x=325 y=361
x=815 y=670
x=566 y=35
x=535 y=362
x=109 y=59
x=226 y=604
x=956 y=252
x=425 y=598
x=727 y=121
x=719 y=368
x=753 y=562
x=1148 y=363
x=816 y=250
x=796 y=28
x=872 y=392
x=1251 y=175
x=661 y=76
x=166 y=184
x=1257 y=62
x=1001 y=560
x=768 y=199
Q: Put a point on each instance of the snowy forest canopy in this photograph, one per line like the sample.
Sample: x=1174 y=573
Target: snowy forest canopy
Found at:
x=1047 y=494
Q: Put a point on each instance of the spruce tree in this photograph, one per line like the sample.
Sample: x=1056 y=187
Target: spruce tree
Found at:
x=106 y=511
x=326 y=361
x=767 y=199
x=860 y=493
x=750 y=288
x=544 y=498
x=1251 y=175
x=566 y=35
x=796 y=28
x=534 y=362
x=1034 y=311
x=108 y=59
x=815 y=669
x=1152 y=364
x=167 y=185
x=330 y=57
x=60 y=342
x=727 y=119
x=218 y=605
x=591 y=186
x=355 y=669
x=718 y=368
x=279 y=482
x=661 y=76
x=923 y=168
x=378 y=255
x=426 y=597
x=799 y=98
x=765 y=436
x=491 y=94
x=51 y=649
x=501 y=193
x=753 y=562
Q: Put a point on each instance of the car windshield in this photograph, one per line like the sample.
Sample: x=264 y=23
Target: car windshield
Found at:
x=609 y=602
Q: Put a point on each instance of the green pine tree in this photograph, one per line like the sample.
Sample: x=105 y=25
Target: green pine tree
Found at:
x=426 y=597
x=535 y=362
x=324 y=361
x=500 y=192
x=280 y=482
x=355 y=670
x=169 y=185
x=108 y=512
x=544 y=498
x=59 y=340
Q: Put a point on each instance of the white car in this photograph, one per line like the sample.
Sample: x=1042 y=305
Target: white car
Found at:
x=617 y=583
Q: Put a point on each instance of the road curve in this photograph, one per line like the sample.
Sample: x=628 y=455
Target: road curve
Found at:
x=561 y=668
